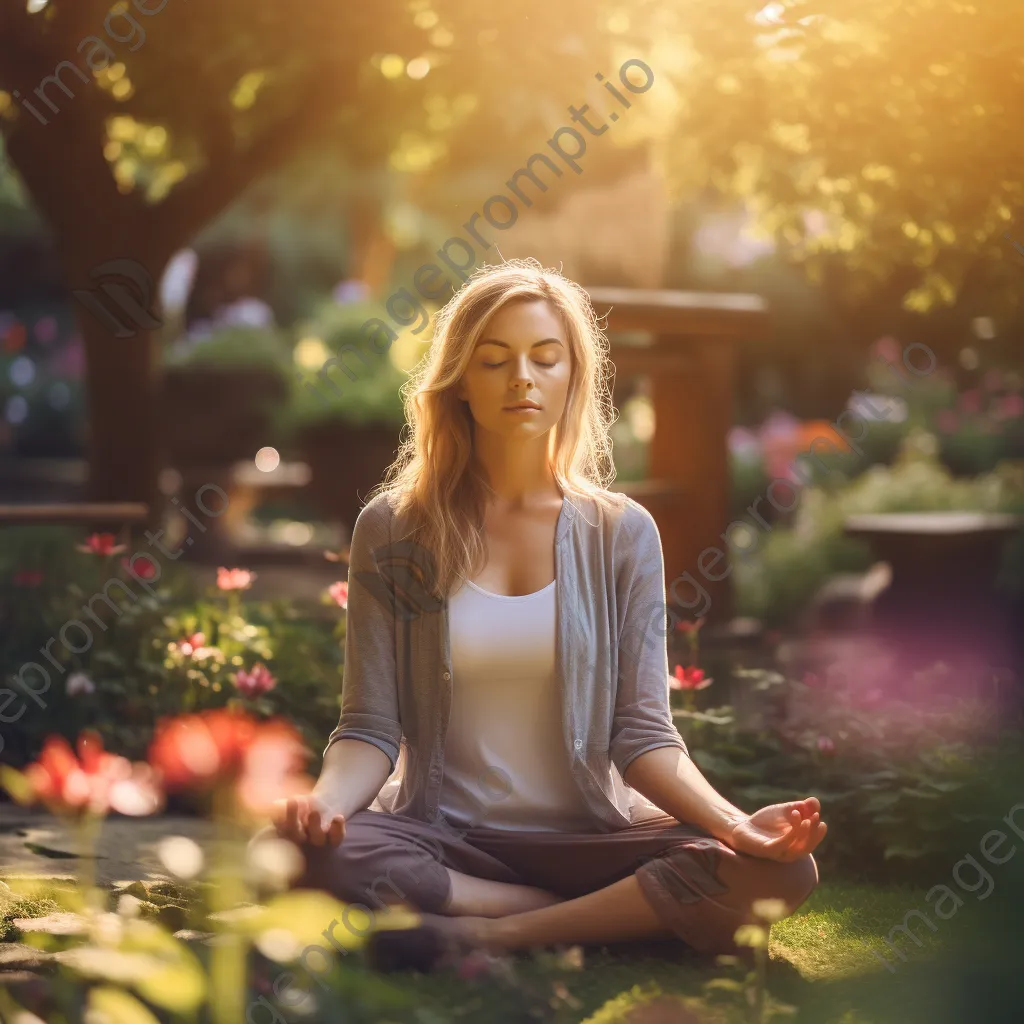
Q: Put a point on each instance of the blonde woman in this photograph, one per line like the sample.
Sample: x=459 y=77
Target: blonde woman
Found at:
x=505 y=761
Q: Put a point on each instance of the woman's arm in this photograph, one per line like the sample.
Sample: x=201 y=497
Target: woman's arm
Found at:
x=363 y=749
x=671 y=781
x=352 y=775
x=642 y=719
x=645 y=745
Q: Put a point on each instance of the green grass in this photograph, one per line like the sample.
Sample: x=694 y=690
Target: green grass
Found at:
x=826 y=941
x=14 y=905
x=816 y=956
x=833 y=933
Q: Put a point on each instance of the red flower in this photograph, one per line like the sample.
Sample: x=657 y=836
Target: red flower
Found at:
x=28 y=578
x=256 y=682
x=826 y=746
x=95 y=781
x=234 y=579
x=688 y=679
x=339 y=592
x=812 y=679
x=691 y=627
x=193 y=751
x=101 y=544
x=262 y=761
x=144 y=568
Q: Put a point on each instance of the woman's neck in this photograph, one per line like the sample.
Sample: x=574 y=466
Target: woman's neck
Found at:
x=518 y=474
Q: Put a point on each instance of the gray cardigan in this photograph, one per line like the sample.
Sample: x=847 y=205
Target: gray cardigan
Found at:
x=611 y=655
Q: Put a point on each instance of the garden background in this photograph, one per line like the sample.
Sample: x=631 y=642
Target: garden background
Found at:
x=223 y=233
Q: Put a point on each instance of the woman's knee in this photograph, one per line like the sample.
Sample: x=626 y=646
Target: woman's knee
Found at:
x=793 y=881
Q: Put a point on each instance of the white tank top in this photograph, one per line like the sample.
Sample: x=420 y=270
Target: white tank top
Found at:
x=506 y=717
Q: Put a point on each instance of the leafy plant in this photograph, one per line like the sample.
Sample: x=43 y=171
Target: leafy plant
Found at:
x=903 y=785
x=232 y=348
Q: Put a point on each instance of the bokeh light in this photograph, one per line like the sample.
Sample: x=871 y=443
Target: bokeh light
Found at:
x=267 y=460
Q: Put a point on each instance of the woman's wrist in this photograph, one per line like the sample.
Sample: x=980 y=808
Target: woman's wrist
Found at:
x=723 y=820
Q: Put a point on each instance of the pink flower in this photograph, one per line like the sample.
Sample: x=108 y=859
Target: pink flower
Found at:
x=234 y=579
x=192 y=644
x=826 y=746
x=272 y=767
x=970 y=401
x=691 y=627
x=28 y=578
x=474 y=965
x=812 y=679
x=79 y=682
x=1012 y=406
x=993 y=380
x=144 y=568
x=688 y=679
x=887 y=350
x=100 y=544
x=339 y=592
x=254 y=683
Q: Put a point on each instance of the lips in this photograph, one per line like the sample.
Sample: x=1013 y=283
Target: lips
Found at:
x=523 y=405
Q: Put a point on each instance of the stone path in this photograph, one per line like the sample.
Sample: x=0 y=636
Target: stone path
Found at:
x=32 y=843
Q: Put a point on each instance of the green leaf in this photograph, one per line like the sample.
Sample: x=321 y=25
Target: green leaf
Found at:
x=115 y=1006
x=305 y=914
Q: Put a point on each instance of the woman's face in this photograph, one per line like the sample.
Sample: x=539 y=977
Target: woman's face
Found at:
x=517 y=380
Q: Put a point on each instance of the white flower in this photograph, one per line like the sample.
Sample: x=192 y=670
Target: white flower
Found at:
x=79 y=682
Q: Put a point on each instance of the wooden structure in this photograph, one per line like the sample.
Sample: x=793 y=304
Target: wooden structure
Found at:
x=87 y=514
x=688 y=356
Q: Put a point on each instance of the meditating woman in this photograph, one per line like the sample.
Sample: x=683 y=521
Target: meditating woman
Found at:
x=506 y=666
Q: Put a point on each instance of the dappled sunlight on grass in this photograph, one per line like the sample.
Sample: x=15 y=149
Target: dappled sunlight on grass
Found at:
x=832 y=935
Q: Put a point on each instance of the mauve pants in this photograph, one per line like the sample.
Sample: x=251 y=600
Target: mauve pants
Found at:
x=700 y=888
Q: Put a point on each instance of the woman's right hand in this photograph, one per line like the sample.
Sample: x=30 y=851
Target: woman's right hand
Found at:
x=307 y=819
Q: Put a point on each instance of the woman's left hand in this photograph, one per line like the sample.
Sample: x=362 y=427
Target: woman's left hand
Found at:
x=780 y=831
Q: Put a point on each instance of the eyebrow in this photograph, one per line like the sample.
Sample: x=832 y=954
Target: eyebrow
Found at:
x=505 y=344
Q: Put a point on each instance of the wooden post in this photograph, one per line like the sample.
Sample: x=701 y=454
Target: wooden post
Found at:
x=690 y=363
x=693 y=413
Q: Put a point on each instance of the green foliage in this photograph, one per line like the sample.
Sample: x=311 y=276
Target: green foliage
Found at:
x=362 y=388
x=135 y=663
x=776 y=581
x=903 y=785
x=234 y=347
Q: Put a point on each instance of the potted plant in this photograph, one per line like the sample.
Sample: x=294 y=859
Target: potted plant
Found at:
x=345 y=418
x=219 y=395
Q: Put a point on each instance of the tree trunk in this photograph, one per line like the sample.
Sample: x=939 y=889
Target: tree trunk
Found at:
x=120 y=379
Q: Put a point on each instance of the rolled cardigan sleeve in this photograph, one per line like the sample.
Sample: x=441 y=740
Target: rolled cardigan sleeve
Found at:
x=369 y=693
x=642 y=718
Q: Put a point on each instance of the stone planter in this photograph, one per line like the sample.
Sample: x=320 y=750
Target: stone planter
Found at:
x=214 y=416
x=943 y=602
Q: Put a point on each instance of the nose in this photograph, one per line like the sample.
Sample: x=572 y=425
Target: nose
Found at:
x=521 y=377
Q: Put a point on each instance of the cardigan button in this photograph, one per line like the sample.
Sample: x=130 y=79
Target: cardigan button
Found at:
x=578 y=744
x=447 y=676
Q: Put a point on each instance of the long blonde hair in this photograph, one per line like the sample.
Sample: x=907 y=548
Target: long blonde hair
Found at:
x=434 y=479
